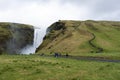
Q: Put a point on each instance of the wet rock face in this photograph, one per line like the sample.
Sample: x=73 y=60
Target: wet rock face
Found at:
x=57 y=26
x=14 y=37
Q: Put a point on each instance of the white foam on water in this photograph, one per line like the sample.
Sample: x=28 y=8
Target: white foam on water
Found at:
x=38 y=38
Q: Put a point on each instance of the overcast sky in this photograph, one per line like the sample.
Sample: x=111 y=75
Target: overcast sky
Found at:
x=44 y=12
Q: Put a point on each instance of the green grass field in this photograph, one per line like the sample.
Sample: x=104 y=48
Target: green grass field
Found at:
x=34 y=67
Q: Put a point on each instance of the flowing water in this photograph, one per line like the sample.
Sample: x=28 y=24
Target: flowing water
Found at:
x=38 y=38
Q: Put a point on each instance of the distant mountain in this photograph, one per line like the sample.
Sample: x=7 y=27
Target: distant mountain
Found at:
x=74 y=37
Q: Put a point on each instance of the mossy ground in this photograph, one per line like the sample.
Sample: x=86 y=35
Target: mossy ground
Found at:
x=34 y=67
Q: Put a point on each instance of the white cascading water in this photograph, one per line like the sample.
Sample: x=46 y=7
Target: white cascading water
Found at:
x=38 y=38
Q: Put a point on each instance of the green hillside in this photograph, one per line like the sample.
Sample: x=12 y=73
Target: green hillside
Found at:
x=80 y=37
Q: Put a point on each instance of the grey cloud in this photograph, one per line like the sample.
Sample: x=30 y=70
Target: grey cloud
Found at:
x=11 y=4
x=105 y=9
x=106 y=6
x=97 y=6
x=47 y=11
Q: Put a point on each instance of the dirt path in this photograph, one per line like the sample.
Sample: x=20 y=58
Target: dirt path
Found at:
x=99 y=49
x=88 y=58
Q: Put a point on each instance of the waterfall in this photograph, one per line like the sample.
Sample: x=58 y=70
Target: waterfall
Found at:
x=38 y=38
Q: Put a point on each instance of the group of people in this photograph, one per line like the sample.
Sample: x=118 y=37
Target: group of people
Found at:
x=56 y=54
x=59 y=54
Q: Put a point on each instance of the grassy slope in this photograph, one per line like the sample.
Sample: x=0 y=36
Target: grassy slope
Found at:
x=16 y=67
x=77 y=34
x=107 y=35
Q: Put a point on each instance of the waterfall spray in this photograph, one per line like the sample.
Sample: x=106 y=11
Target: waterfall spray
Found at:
x=13 y=43
x=38 y=38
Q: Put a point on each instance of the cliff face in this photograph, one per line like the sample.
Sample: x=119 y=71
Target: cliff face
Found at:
x=76 y=37
x=14 y=36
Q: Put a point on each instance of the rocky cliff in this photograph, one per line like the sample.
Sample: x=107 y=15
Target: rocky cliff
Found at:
x=14 y=36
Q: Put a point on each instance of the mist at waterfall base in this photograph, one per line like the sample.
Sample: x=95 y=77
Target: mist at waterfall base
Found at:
x=38 y=38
